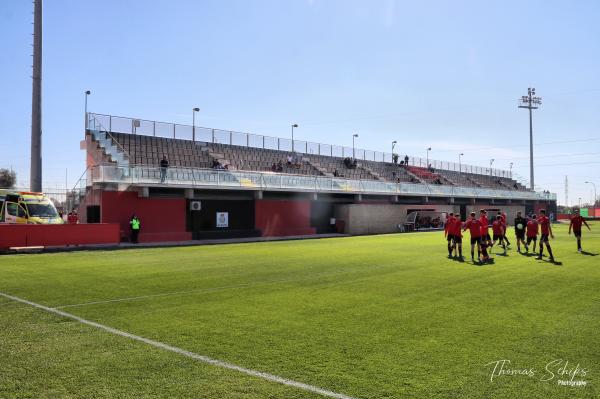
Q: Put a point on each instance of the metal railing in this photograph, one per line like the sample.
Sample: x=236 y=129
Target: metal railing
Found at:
x=223 y=179
x=121 y=124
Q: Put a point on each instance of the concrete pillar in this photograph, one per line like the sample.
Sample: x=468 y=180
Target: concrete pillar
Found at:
x=145 y=192
x=315 y=196
x=258 y=195
x=188 y=193
x=452 y=200
x=358 y=198
x=395 y=198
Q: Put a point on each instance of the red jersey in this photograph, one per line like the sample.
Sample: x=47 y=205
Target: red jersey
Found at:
x=72 y=219
x=576 y=222
x=498 y=228
x=503 y=216
x=532 y=228
x=448 y=226
x=484 y=225
x=474 y=227
x=456 y=228
x=544 y=224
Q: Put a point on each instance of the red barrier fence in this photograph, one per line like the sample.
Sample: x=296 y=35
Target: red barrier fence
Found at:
x=46 y=235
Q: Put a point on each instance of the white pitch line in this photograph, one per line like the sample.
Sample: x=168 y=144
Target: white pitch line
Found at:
x=183 y=352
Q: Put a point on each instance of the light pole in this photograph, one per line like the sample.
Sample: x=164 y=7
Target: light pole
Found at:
x=595 y=194
x=459 y=162
x=393 y=145
x=353 y=151
x=428 y=149
x=194 y=110
x=510 y=169
x=87 y=93
x=491 y=163
x=293 y=126
x=530 y=102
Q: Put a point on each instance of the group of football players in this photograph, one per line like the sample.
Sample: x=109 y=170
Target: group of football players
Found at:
x=527 y=230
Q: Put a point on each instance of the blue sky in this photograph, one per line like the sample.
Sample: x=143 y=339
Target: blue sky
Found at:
x=445 y=74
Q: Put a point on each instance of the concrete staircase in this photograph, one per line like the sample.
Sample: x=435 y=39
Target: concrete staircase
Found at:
x=370 y=171
x=317 y=166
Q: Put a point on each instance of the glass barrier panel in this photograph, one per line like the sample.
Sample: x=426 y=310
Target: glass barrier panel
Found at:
x=183 y=132
x=162 y=129
x=312 y=148
x=203 y=135
x=222 y=136
x=120 y=125
x=300 y=146
x=325 y=149
x=285 y=145
x=271 y=143
x=240 y=139
x=255 y=141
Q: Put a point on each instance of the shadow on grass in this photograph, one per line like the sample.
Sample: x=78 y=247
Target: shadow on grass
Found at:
x=489 y=262
x=554 y=262
x=528 y=254
x=588 y=253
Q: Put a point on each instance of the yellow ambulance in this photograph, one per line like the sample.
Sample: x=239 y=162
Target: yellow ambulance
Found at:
x=26 y=207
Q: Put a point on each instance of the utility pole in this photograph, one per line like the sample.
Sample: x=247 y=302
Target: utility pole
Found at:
x=36 y=101
x=530 y=102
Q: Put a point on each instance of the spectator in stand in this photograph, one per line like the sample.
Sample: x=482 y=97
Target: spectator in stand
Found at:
x=215 y=164
x=336 y=173
x=401 y=163
x=274 y=167
x=164 y=164
x=280 y=166
x=354 y=164
x=395 y=158
x=290 y=160
x=406 y=160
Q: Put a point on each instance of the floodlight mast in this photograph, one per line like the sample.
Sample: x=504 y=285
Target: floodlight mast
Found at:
x=530 y=102
x=35 y=181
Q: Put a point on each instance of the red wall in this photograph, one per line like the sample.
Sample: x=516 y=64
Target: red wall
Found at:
x=163 y=219
x=29 y=235
x=283 y=218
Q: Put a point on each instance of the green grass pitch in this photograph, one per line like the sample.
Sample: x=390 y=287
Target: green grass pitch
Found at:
x=369 y=317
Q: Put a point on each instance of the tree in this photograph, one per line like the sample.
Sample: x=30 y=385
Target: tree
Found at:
x=8 y=178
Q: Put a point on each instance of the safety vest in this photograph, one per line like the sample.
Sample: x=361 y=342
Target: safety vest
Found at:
x=135 y=224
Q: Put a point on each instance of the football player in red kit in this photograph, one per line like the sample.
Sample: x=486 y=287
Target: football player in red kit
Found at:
x=532 y=232
x=499 y=230
x=576 y=223
x=546 y=232
x=503 y=216
x=474 y=227
x=456 y=230
x=448 y=232
x=485 y=228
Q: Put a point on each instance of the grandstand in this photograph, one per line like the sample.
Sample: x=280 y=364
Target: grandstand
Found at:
x=285 y=188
